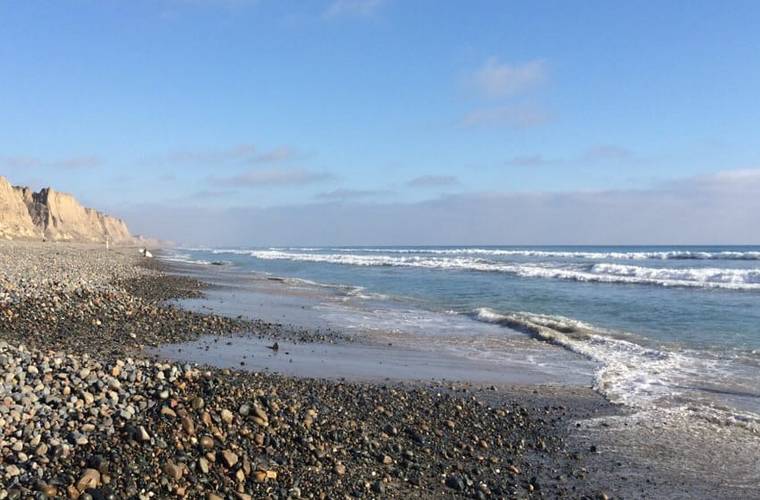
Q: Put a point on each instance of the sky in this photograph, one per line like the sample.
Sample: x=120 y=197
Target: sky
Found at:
x=325 y=122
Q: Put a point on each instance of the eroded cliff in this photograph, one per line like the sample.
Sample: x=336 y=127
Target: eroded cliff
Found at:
x=56 y=216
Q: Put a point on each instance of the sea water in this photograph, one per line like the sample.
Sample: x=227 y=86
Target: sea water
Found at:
x=667 y=328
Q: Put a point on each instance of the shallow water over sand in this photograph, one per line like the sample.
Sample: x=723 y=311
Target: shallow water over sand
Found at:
x=386 y=342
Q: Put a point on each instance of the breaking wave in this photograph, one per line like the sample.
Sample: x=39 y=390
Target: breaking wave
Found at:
x=592 y=255
x=734 y=279
x=631 y=374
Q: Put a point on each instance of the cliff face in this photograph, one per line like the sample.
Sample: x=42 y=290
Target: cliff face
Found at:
x=15 y=221
x=55 y=216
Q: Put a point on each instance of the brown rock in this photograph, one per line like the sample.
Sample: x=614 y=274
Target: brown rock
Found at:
x=173 y=470
x=89 y=479
x=188 y=425
x=207 y=442
x=227 y=416
x=168 y=412
x=229 y=458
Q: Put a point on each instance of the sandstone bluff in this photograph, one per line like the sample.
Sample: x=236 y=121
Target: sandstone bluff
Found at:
x=56 y=216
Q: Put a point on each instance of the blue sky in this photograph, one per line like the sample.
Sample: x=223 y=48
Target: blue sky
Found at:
x=374 y=109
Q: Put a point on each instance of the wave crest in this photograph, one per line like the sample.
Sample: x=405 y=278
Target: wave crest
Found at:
x=735 y=279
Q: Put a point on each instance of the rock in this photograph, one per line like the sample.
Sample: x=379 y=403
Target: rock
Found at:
x=88 y=398
x=173 y=470
x=12 y=471
x=188 y=425
x=240 y=475
x=455 y=482
x=55 y=216
x=340 y=469
x=89 y=479
x=168 y=412
x=378 y=487
x=227 y=416
x=49 y=490
x=230 y=458
x=141 y=435
x=203 y=465
x=206 y=442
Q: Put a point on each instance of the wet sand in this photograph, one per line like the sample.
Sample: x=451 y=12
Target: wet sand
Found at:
x=355 y=362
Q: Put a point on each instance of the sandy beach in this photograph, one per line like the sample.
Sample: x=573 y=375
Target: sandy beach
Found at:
x=91 y=407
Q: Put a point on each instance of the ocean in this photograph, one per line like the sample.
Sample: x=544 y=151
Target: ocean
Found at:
x=673 y=330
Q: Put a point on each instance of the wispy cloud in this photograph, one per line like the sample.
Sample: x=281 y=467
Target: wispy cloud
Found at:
x=343 y=194
x=282 y=153
x=71 y=163
x=340 y=8
x=272 y=177
x=535 y=160
x=497 y=80
x=207 y=194
x=427 y=181
x=508 y=116
x=502 y=89
x=244 y=153
x=608 y=152
x=215 y=3
x=238 y=152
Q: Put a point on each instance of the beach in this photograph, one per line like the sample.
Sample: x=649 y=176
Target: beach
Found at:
x=97 y=402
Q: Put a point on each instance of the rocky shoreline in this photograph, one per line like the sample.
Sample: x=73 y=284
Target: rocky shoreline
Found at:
x=87 y=414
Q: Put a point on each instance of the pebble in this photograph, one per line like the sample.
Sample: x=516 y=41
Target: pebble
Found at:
x=227 y=416
x=172 y=470
x=230 y=458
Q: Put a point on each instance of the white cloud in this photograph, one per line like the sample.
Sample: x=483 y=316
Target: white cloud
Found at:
x=496 y=79
x=339 y=8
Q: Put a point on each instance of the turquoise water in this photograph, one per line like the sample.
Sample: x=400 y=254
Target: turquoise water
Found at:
x=667 y=326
